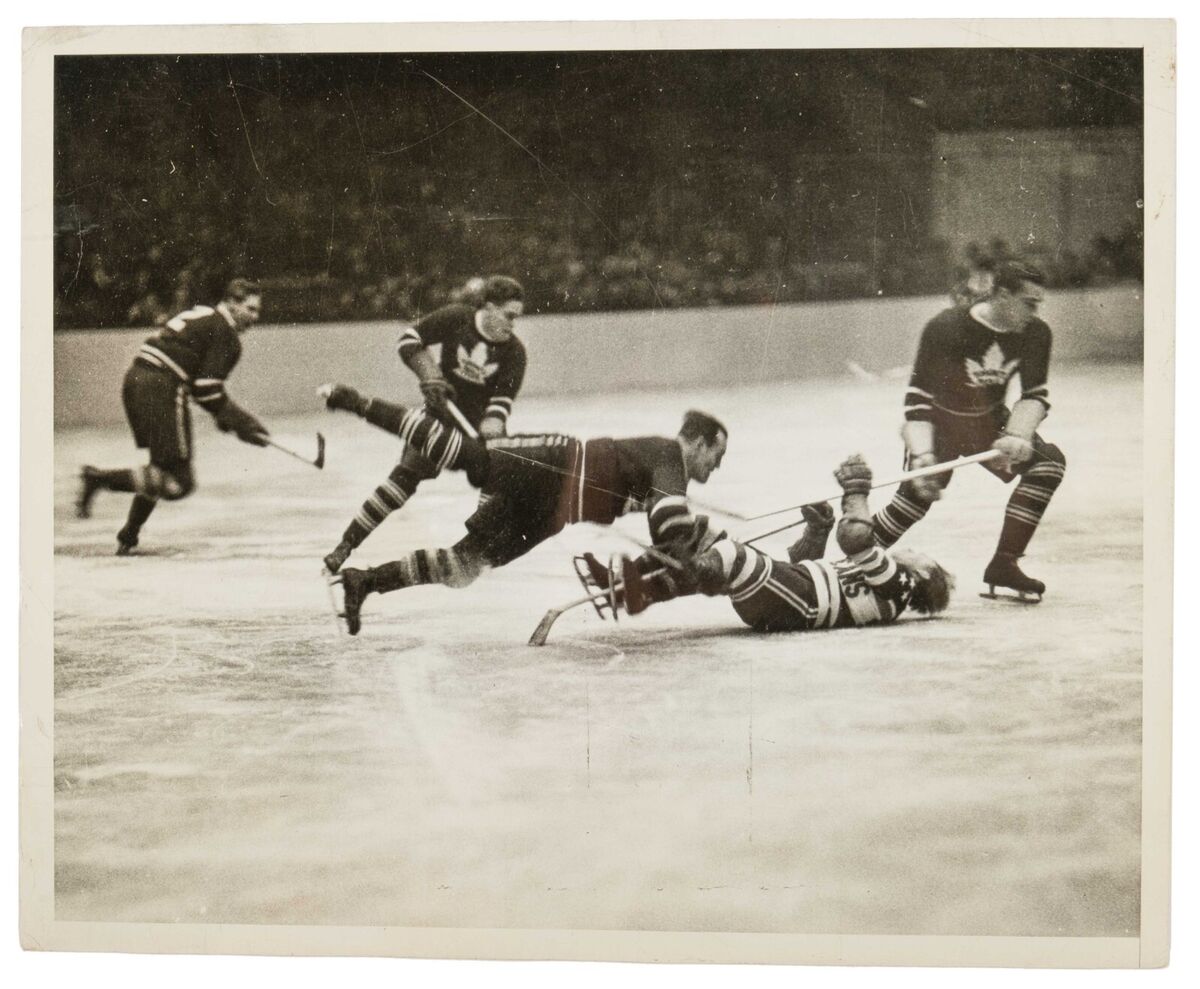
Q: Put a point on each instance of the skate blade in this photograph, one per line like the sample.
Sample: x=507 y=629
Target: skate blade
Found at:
x=333 y=581
x=1014 y=597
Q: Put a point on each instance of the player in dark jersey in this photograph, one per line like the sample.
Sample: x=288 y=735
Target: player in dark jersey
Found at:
x=869 y=586
x=191 y=356
x=955 y=406
x=532 y=488
x=480 y=368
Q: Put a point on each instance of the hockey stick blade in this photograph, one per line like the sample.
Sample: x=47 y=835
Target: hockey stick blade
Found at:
x=318 y=463
x=542 y=632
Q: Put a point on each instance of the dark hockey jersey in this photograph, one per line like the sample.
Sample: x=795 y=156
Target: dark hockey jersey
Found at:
x=200 y=347
x=963 y=367
x=486 y=376
x=595 y=480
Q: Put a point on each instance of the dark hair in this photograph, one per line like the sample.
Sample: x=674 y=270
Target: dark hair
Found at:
x=931 y=590
x=1012 y=273
x=500 y=289
x=240 y=289
x=701 y=425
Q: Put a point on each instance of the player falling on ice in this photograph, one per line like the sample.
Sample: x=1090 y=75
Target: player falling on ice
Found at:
x=955 y=406
x=480 y=369
x=532 y=488
x=190 y=357
x=869 y=586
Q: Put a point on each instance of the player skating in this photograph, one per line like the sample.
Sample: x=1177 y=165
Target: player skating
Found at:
x=533 y=487
x=869 y=586
x=480 y=369
x=955 y=406
x=190 y=357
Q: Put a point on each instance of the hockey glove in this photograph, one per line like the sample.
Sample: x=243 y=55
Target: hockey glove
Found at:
x=811 y=545
x=437 y=392
x=232 y=418
x=854 y=476
x=1016 y=442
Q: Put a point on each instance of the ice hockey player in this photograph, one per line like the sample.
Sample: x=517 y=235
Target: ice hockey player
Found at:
x=955 y=406
x=480 y=368
x=869 y=586
x=532 y=488
x=190 y=357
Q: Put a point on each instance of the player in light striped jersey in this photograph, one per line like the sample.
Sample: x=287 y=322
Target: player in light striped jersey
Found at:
x=190 y=357
x=532 y=488
x=480 y=367
x=868 y=586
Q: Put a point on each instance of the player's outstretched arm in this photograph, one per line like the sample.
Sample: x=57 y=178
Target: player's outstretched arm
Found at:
x=855 y=531
x=232 y=418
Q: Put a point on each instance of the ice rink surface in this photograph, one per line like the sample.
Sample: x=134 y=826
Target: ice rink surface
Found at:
x=222 y=754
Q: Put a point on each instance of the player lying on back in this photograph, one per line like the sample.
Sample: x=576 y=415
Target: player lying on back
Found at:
x=532 y=488
x=869 y=586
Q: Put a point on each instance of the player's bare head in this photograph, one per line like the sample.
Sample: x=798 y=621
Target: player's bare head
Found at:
x=243 y=299
x=933 y=584
x=1018 y=288
x=703 y=440
x=503 y=301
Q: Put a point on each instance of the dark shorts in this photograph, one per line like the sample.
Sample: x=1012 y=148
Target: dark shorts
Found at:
x=526 y=498
x=156 y=405
x=955 y=437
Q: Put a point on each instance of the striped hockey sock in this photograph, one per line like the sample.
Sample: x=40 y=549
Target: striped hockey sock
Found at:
x=1027 y=504
x=426 y=566
x=388 y=497
x=895 y=519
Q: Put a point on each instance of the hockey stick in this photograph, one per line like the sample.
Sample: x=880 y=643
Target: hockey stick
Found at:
x=542 y=632
x=461 y=420
x=318 y=462
x=909 y=475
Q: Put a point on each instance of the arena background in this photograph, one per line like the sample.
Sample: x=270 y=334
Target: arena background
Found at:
x=761 y=234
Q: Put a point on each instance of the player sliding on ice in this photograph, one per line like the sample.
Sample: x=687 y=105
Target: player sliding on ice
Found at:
x=189 y=358
x=533 y=487
x=955 y=406
x=870 y=586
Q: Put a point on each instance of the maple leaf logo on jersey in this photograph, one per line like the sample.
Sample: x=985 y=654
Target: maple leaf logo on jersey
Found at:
x=473 y=364
x=994 y=370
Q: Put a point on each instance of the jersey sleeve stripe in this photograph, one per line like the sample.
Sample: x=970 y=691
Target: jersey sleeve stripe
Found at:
x=745 y=571
x=821 y=586
x=671 y=504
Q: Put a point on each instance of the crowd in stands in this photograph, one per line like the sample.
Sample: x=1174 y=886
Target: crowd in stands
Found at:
x=350 y=199
x=152 y=284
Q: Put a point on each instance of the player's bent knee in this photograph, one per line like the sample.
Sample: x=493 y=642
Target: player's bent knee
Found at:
x=1055 y=455
x=177 y=483
x=464 y=565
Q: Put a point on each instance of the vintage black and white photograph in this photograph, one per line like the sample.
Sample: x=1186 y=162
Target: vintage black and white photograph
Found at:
x=583 y=485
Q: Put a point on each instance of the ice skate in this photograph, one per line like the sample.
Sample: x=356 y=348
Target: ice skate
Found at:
x=355 y=586
x=126 y=543
x=334 y=560
x=89 y=484
x=1003 y=572
x=342 y=397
